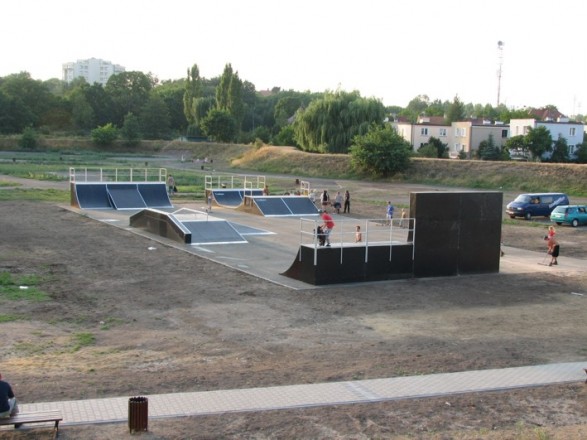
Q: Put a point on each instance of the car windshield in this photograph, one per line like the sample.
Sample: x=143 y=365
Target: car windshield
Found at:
x=522 y=198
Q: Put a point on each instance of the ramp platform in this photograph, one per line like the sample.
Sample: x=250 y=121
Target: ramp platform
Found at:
x=110 y=195
x=279 y=206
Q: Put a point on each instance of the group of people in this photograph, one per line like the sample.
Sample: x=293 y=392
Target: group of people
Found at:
x=340 y=201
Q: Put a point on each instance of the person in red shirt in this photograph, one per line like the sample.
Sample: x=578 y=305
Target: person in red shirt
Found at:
x=327 y=226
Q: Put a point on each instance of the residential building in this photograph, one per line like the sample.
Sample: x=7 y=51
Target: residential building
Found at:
x=419 y=134
x=466 y=136
x=572 y=131
x=93 y=70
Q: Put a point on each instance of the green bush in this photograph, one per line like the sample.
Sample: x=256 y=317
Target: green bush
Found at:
x=105 y=135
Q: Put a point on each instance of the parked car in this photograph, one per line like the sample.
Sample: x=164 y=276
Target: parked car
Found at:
x=573 y=215
x=535 y=205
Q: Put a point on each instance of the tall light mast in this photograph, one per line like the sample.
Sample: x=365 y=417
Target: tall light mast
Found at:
x=500 y=45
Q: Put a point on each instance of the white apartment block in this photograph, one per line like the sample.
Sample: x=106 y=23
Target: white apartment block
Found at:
x=572 y=131
x=419 y=134
x=93 y=70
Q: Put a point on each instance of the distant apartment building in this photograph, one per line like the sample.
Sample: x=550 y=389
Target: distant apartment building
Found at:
x=572 y=131
x=419 y=134
x=93 y=70
x=466 y=136
x=462 y=136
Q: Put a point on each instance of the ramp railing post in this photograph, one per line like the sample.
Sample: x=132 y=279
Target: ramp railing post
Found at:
x=366 y=241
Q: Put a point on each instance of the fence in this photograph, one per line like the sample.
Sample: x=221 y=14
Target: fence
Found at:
x=117 y=175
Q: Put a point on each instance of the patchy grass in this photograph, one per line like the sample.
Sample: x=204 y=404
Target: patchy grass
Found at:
x=21 y=288
x=8 y=318
x=36 y=194
x=82 y=339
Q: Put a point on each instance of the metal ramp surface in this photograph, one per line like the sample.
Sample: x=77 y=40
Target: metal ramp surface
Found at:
x=284 y=206
x=126 y=196
x=92 y=196
x=232 y=198
x=109 y=195
x=213 y=232
x=155 y=195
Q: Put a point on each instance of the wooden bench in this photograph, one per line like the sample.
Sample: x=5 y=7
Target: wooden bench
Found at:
x=34 y=417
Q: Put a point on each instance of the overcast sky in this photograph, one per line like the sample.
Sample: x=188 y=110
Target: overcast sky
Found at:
x=388 y=49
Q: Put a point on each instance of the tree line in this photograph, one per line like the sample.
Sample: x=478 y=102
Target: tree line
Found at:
x=134 y=106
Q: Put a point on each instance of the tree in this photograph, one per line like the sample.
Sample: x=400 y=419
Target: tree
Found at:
x=434 y=148
x=488 y=150
x=104 y=135
x=193 y=91
x=538 y=141
x=131 y=130
x=329 y=124
x=381 y=151
x=560 y=150
x=456 y=111
x=154 y=118
x=582 y=152
x=29 y=138
x=229 y=95
x=220 y=125
x=517 y=146
x=129 y=92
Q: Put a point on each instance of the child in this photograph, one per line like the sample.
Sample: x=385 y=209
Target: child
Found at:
x=358 y=235
x=551 y=231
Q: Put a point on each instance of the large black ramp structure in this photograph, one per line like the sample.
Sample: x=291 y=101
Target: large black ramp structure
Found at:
x=162 y=224
x=347 y=264
x=91 y=196
x=125 y=196
x=155 y=195
x=457 y=233
x=272 y=206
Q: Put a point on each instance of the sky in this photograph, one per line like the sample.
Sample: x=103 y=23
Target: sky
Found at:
x=391 y=50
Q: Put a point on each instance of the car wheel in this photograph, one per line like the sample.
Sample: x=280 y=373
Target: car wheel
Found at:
x=559 y=223
x=512 y=216
x=575 y=223
x=528 y=216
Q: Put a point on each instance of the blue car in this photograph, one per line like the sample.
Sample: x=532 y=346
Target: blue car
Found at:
x=573 y=215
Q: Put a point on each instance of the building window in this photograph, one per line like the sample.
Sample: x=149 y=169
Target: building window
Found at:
x=460 y=132
x=442 y=132
x=424 y=131
x=572 y=131
x=526 y=130
x=504 y=134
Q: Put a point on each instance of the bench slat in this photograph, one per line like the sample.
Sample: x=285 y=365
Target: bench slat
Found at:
x=39 y=417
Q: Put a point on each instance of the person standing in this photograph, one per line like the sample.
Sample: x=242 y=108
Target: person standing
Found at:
x=327 y=226
x=338 y=202
x=389 y=212
x=170 y=185
x=347 y=202
x=325 y=200
x=553 y=250
x=8 y=406
x=358 y=234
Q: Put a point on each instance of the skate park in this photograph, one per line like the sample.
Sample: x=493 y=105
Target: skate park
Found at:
x=279 y=245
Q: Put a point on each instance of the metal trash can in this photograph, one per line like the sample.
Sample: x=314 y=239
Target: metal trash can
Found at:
x=138 y=414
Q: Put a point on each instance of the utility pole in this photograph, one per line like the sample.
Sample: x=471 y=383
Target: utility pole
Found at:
x=500 y=45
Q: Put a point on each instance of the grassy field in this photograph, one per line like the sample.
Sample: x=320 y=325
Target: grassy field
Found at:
x=53 y=164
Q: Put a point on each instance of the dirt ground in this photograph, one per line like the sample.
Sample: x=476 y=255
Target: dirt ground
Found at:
x=169 y=321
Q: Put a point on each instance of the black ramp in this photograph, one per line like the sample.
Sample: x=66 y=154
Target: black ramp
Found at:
x=92 y=196
x=125 y=196
x=272 y=206
x=228 y=198
x=213 y=232
x=251 y=192
x=300 y=205
x=457 y=233
x=353 y=268
x=155 y=195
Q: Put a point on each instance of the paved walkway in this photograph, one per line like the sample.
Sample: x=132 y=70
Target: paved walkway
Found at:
x=112 y=410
